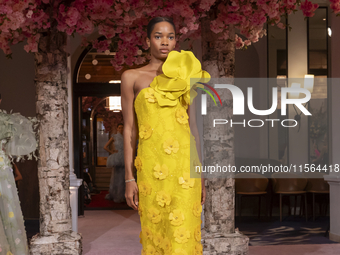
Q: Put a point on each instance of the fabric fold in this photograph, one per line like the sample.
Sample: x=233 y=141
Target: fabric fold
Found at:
x=181 y=73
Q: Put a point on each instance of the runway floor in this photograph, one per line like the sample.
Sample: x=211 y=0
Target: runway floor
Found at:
x=117 y=233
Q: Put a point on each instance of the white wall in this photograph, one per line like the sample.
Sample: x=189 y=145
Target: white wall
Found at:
x=17 y=81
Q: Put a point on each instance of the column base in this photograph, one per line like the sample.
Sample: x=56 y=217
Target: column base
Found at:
x=229 y=244
x=334 y=237
x=68 y=242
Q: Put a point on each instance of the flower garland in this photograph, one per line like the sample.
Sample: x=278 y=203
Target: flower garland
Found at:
x=127 y=20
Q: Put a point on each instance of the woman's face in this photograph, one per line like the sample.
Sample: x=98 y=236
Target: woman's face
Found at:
x=162 y=40
x=120 y=129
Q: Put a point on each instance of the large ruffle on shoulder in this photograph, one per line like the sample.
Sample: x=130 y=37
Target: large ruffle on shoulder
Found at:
x=181 y=72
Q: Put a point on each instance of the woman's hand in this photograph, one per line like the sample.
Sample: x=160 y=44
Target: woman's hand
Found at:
x=131 y=194
x=203 y=192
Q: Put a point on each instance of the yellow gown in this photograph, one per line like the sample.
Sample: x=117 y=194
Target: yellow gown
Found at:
x=169 y=200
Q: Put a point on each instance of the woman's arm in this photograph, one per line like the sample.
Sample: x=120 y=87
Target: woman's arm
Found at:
x=17 y=173
x=129 y=134
x=107 y=148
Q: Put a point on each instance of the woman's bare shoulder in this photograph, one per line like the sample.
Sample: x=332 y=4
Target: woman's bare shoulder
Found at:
x=131 y=75
x=128 y=76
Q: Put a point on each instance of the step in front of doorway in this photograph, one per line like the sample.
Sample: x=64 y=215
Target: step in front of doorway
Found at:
x=103 y=176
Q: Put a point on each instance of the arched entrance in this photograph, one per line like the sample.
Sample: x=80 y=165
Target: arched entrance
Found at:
x=94 y=81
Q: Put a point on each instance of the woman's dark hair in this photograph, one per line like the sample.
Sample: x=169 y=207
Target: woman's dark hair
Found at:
x=120 y=124
x=156 y=20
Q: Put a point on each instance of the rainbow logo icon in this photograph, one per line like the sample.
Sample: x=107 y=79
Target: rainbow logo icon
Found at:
x=208 y=92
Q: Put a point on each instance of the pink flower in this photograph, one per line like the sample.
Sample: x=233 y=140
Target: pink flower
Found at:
x=247 y=42
x=234 y=7
x=308 y=8
x=72 y=16
x=32 y=43
x=281 y=25
x=101 y=46
x=5 y=9
x=85 y=26
x=129 y=60
x=291 y=2
x=246 y=9
x=238 y=42
x=335 y=7
x=225 y=35
x=206 y=4
x=216 y=26
x=16 y=20
x=140 y=60
x=29 y=14
x=184 y=30
x=234 y=18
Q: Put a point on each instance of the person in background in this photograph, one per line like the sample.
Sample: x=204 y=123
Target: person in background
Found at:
x=322 y=159
x=17 y=174
x=115 y=146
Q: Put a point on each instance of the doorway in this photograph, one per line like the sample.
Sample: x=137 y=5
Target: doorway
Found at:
x=95 y=82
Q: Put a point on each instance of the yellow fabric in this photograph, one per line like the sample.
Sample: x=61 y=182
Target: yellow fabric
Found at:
x=181 y=72
x=169 y=200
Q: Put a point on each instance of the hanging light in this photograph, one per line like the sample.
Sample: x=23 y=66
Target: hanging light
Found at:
x=329 y=30
x=88 y=76
x=95 y=62
x=115 y=104
x=114 y=81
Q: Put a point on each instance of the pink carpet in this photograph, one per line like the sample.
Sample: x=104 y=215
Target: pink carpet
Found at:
x=108 y=232
x=116 y=232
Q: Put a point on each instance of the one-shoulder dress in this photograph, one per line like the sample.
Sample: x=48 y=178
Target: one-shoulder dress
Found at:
x=169 y=198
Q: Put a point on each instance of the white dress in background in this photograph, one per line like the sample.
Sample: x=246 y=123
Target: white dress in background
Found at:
x=116 y=162
x=16 y=139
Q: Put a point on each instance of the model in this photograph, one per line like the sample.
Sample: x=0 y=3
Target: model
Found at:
x=155 y=102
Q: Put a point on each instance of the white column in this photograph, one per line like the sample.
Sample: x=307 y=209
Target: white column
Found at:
x=74 y=186
x=334 y=178
x=74 y=182
x=297 y=68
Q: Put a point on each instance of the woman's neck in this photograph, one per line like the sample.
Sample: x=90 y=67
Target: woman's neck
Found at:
x=156 y=64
